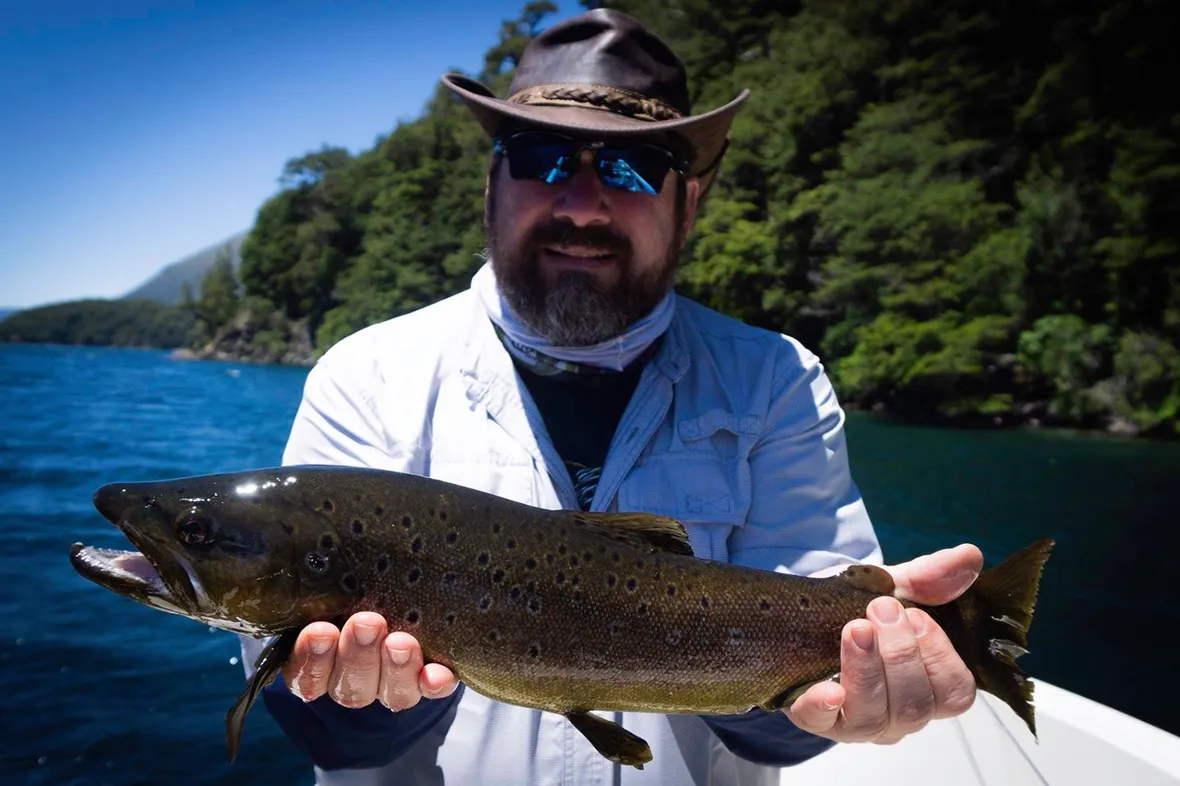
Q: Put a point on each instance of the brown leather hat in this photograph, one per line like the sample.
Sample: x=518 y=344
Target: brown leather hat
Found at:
x=603 y=74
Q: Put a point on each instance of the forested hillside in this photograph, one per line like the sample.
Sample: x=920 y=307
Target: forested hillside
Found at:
x=967 y=208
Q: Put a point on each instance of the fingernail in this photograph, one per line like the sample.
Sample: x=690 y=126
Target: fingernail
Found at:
x=830 y=707
x=321 y=644
x=862 y=636
x=399 y=657
x=888 y=611
x=917 y=621
x=365 y=634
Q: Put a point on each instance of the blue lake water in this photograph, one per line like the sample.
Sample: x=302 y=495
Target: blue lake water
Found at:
x=100 y=690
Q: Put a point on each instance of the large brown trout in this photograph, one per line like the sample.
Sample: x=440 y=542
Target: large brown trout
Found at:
x=561 y=611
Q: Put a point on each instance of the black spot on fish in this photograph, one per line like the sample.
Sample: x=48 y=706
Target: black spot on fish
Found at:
x=549 y=558
x=632 y=584
x=288 y=528
x=530 y=563
x=328 y=506
x=377 y=511
x=326 y=542
x=430 y=512
x=574 y=580
x=450 y=618
x=639 y=564
x=562 y=549
x=442 y=515
x=349 y=583
x=483 y=558
x=601 y=549
x=485 y=603
x=317 y=563
x=493 y=636
x=573 y=562
x=560 y=578
x=589 y=555
x=671 y=590
x=616 y=556
x=498 y=575
x=614 y=627
x=412 y=576
x=577 y=595
x=514 y=593
x=407 y=522
x=416 y=544
x=804 y=602
x=412 y=616
x=562 y=532
x=673 y=637
x=705 y=602
x=381 y=564
x=448 y=577
x=611 y=579
x=534 y=650
x=452 y=537
x=764 y=604
x=534 y=606
x=496 y=528
x=736 y=636
x=531 y=586
x=358 y=527
x=511 y=543
x=642 y=608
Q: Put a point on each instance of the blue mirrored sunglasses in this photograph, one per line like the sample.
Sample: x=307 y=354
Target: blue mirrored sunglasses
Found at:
x=637 y=167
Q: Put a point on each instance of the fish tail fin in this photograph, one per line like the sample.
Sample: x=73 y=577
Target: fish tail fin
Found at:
x=988 y=626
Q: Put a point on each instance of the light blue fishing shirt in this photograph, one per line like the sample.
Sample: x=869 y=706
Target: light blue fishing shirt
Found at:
x=733 y=430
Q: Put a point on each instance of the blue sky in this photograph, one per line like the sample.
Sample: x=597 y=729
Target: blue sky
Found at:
x=136 y=132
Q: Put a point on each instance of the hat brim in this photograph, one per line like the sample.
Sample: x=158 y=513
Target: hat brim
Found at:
x=706 y=132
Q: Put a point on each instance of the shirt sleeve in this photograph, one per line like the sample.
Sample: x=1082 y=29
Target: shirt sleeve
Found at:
x=799 y=465
x=337 y=423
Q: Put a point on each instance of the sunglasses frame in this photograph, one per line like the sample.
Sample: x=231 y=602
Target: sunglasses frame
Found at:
x=502 y=145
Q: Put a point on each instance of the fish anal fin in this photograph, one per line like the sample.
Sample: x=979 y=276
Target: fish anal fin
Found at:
x=269 y=663
x=639 y=529
x=787 y=697
x=869 y=578
x=611 y=740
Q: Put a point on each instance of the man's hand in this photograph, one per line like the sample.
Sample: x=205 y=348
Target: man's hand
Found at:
x=898 y=670
x=360 y=663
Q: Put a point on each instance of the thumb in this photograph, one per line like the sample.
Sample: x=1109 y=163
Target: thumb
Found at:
x=939 y=577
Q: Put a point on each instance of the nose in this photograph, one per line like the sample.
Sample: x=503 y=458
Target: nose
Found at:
x=109 y=500
x=584 y=200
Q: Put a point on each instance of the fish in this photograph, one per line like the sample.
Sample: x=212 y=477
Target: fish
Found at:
x=562 y=611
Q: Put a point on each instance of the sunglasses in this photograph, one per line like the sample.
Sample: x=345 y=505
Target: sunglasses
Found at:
x=636 y=167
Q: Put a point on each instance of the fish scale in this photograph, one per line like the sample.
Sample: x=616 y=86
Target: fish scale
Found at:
x=562 y=611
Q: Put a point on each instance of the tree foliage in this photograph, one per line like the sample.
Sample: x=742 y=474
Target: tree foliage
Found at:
x=120 y=323
x=968 y=208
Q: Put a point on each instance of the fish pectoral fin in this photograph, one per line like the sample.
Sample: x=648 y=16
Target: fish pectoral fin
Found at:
x=638 y=529
x=266 y=668
x=787 y=698
x=611 y=740
x=869 y=578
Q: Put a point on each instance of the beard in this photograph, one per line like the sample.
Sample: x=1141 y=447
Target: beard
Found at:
x=574 y=310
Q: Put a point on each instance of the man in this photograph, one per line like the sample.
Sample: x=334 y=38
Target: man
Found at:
x=570 y=375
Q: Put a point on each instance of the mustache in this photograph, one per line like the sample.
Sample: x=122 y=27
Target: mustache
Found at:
x=556 y=233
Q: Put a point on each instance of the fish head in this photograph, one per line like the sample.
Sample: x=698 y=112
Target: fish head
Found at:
x=239 y=552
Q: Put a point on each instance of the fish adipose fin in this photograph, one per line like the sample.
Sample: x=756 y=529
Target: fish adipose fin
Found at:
x=638 y=529
x=988 y=626
x=611 y=740
x=269 y=663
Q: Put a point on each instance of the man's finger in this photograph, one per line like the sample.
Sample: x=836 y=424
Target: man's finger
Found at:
x=951 y=681
x=866 y=703
x=938 y=578
x=818 y=709
x=911 y=700
x=356 y=676
x=436 y=681
x=401 y=661
x=309 y=668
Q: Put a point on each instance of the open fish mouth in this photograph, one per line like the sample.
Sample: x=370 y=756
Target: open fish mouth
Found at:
x=134 y=575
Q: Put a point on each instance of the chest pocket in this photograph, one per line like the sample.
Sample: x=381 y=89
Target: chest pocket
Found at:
x=699 y=475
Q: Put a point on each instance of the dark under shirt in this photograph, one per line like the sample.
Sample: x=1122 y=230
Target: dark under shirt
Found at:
x=581 y=413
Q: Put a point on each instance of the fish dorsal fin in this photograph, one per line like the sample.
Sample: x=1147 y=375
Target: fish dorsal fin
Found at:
x=638 y=529
x=869 y=578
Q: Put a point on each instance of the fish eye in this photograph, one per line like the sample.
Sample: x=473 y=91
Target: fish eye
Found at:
x=195 y=531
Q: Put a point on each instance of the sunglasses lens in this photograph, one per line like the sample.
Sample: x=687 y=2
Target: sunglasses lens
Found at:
x=552 y=158
x=539 y=157
x=639 y=169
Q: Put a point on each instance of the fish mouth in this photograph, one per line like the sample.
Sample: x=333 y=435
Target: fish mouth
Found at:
x=128 y=573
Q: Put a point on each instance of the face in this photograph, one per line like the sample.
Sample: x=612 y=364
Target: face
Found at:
x=577 y=261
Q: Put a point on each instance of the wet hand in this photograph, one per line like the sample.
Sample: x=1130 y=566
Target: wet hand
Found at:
x=898 y=670
x=362 y=663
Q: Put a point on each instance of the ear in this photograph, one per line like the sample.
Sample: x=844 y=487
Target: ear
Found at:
x=692 y=196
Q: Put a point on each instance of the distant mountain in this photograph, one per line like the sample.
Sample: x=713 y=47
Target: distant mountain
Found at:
x=166 y=285
x=6 y=311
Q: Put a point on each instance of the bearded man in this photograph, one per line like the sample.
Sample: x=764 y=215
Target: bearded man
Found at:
x=572 y=375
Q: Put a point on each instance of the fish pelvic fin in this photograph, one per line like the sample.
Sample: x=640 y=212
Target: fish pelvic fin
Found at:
x=611 y=740
x=988 y=626
x=638 y=529
x=266 y=668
